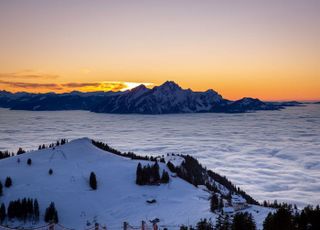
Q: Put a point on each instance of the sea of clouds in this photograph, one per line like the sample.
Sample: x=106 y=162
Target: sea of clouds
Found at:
x=270 y=154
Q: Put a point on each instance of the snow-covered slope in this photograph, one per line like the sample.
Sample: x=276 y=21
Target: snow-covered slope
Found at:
x=117 y=198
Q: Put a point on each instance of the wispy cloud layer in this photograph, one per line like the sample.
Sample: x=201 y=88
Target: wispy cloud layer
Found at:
x=271 y=154
x=27 y=85
x=36 y=81
x=27 y=74
x=67 y=87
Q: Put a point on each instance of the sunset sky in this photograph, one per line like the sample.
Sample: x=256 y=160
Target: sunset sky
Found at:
x=265 y=49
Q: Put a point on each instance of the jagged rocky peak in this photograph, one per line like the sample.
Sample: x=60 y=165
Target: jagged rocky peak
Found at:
x=211 y=91
x=139 y=88
x=169 y=85
x=248 y=100
x=138 y=91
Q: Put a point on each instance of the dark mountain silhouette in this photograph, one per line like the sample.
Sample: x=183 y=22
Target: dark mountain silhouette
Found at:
x=166 y=98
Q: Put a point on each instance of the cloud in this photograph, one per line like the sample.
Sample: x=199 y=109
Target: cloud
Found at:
x=96 y=86
x=70 y=86
x=27 y=85
x=80 y=85
x=27 y=74
x=114 y=86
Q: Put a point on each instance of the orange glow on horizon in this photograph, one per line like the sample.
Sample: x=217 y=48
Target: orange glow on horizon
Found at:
x=227 y=89
x=104 y=86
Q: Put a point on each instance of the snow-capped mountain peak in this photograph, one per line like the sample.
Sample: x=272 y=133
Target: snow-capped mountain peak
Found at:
x=169 y=86
x=141 y=87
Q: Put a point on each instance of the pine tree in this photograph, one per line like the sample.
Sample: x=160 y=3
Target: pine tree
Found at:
x=93 y=181
x=165 y=177
x=146 y=175
x=51 y=214
x=265 y=203
x=1 y=189
x=24 y=209
x=223 y=222
x=139 y=179
x=171 y=167
x=243 y=221
x=221 y=205
x=8 y=182
x=30 y=209
x=155 y=172
x=20 y=151
x=229 y=197
x=280 y=220
x=2 y=213
x=63 y=141
x=214 y=202
x=204 y=225
x=10 y=210
x=36 y=211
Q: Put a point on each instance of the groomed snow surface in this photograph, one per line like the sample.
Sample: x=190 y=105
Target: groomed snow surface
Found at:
x=117 y=198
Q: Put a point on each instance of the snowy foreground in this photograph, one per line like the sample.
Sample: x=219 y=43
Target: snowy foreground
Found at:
x=117 y=198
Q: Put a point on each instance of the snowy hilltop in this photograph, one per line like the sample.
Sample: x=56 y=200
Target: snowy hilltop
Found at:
x=166 y=98
x=90 y=182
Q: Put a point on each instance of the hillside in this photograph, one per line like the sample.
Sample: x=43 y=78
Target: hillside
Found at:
x=117 y=198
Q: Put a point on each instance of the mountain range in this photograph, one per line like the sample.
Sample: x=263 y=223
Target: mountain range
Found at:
x=164 y=99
